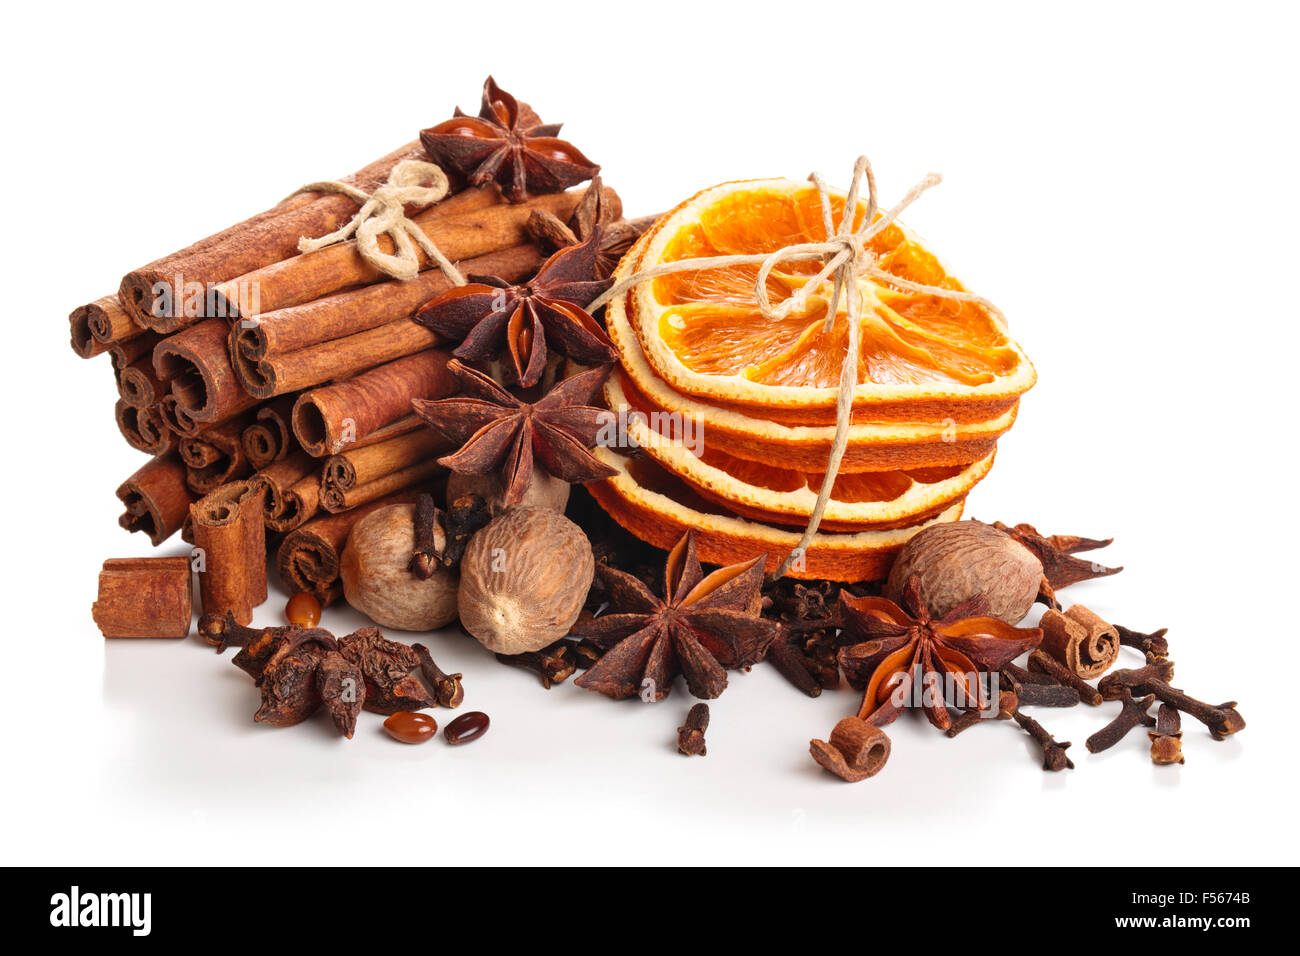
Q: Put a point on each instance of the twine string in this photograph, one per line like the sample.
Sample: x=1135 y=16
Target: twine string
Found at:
x=383 y=213
x=845 y=259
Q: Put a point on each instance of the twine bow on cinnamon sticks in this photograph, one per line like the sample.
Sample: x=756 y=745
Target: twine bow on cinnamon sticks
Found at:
x=846 y=260
x=383 y=213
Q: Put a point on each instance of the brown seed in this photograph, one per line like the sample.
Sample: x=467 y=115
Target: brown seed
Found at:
x=303 y=610
x=467 y=727
x=411 y=727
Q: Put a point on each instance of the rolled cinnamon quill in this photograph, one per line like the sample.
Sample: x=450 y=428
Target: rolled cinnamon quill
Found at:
x=312 y=275
x=151 y=294
x=269 y=437
x=177 y=419
x=98 y=325
x=327 y=420
x=360 y=475
x=144 y=428
x=196 y=363
x=156 y=498
x=1080 y=640
x=230 y=556
x=308 y=559
x=144 y=597
x=131 y=352
x=340 y=358
x=215 y=456
x=138 y=383
x=291 y=490
x=324 y=340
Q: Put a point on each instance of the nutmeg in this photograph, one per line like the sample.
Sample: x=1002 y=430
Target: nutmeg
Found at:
x=524 y=579
x=544 y=491
x=376 y=579
x=966 y=559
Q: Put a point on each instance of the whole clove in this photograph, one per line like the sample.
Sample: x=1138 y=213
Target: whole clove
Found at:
x=1045 y=663
x=791 y=664
x=690 y=735
x=1054 y=757
x=447 y=688
x=1152 y=645
x=1167 y=738
x=1037 y=690
x=1008 y=702
x=1223 y=720
x=1134 y=679
x=464 y=516
x=430 y=538
x=1132 y=713
x=552 y=664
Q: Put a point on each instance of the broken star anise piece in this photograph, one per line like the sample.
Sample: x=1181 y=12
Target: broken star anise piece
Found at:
x=899 y=648
x=304 y=672
x=489 y=316
x=699 y=628
x=1057 y=553
x=386 y=667
x=499 y=432
x=509 y=143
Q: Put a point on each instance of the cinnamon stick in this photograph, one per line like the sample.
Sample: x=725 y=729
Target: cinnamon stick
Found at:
x=1080 y=640
x=144 y=597
x=138 y=382
x=360 y=475
x=312 y=275
x=197 y=364
x=327 y=420
x=177 y=419
x=156 y=498
x=130 y=351
x=270 y=437
x=267 y=237
x=308 y=559
x=230 y=548
x=340 y=358
x=282 y=503
x=98 y=325
x=144 y=428
x=215 y=456
x=280 y=351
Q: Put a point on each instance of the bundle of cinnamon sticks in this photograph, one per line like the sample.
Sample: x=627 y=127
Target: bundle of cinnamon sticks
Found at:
x=301 y=412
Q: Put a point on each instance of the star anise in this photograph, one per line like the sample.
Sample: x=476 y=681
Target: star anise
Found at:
x=1057 y=553
x=489 y=315
x=500 y=432
x=897 y=648
x=699 y=628
x=593 y=214
x=509 y=143
x=386 y=666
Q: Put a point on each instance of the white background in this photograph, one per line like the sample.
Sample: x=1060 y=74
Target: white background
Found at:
x=1121 y=180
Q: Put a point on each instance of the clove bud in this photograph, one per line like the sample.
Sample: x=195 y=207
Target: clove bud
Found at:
x=1167 y=738
x=447 y=688
x=1054 y=757
x=690 y=735
x=1132 y=713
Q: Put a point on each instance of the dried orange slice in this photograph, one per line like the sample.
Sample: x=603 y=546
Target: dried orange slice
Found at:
x=703 y=334
x=928 y=438
x=658 y=507
x=769 y=492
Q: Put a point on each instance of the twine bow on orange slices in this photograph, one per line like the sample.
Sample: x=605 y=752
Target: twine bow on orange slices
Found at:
x=846 y=258
x=383 y=212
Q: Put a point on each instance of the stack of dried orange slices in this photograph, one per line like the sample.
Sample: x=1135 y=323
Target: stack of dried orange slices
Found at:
x=735 y=412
